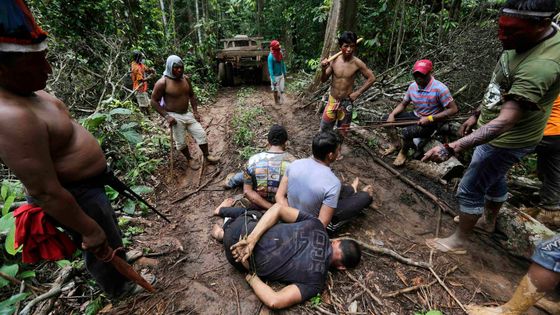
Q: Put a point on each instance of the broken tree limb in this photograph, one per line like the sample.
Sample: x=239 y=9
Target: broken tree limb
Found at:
x=53 y=293
x=18 y=282
x=416 y=287
x=440 y=203
x=447 y=170
x=447 y=289
x=389 y=252
x=368 y=291
x=187 y=195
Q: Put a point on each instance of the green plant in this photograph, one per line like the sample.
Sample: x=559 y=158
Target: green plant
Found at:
x=316 y=300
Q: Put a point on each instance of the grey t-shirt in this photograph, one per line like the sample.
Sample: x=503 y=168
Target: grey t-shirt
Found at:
x=310 y=185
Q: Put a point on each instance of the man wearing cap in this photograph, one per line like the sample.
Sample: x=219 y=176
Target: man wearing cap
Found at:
x=511 y=119
x=432 y=104
x=277 y=71
x=342 y=95
x=55 y=158
x=138 y=72
x=176 y=90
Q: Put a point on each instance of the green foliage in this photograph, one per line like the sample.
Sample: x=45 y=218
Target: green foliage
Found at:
x=94 y=306
x=431 y=312
x=10 y=270
x=8 y=307
x=316 y=300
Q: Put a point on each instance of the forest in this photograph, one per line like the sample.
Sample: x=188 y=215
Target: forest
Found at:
x=91 y=45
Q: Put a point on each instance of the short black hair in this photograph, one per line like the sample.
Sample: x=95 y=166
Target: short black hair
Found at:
x=532 y=5
x=277 y=135
x=347 y=37
x=351 y=253
x=325 y=142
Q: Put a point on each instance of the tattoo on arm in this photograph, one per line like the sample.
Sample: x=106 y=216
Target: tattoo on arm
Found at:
x=483 y=134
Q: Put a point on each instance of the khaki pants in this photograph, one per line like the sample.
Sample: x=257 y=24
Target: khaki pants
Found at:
x=186 y=122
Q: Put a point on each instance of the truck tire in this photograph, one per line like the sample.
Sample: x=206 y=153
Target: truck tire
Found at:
x=222 y=73
x=229 y=74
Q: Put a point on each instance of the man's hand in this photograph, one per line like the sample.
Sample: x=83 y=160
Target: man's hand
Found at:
x=243 y=249
x=170 y=120
x=424 y=121
x=325 y=63
x=467 y=126
x=95 y=241
x=353 y=96
x=391 y=118
x=437 y=154
x=197 y=116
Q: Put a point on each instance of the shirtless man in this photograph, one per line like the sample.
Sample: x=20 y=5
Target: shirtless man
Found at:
x=342 y=95
x=54 y=157
x=176 y=90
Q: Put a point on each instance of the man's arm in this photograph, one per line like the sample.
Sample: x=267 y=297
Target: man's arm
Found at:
x=193 y=101
x=243 y=249
x=510 y=114
x=399 y=109
x=326 y=70
x=450 y=110
x=370 y=78
x=157 y=94
x=287 y=296
x=255 y=198
x=282 y=192
x=24 y=148
x=325 y=214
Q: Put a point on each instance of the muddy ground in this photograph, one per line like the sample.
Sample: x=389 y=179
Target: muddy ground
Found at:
x=195 y=278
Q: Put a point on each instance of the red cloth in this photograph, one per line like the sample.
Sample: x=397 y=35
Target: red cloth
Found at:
x=39 y=237
x=275 y=49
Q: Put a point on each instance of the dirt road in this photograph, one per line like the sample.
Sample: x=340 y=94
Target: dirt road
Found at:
x=195 y=278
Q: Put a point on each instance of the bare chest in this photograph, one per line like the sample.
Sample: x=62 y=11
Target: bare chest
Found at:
x=344 y=70
x=57 y=121
x=177 y=89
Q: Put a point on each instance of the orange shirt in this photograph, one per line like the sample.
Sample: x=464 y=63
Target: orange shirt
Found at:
x=137 y=71
x=553 y=124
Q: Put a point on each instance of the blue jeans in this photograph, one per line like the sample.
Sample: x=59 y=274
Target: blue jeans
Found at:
x=236 y=180
x=485 y=178
x=547 y=254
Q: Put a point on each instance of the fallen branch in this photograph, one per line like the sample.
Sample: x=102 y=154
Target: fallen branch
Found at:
x=237 y=297
x=18 y=282
x=416 y=287
x=53 y=293
x=389 y=252
x=406 y=180
x=187 y=195
x=447 y=289
x=368 y=291
x=21 y=289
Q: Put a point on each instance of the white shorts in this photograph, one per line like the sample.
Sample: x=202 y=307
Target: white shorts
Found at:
x=279 y=86
x=186 y=122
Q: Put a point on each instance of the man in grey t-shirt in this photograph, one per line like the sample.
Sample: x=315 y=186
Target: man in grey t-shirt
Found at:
x=309 y=185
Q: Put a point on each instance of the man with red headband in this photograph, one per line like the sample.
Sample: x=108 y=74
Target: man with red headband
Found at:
x=277 y=71
x=511 y=119
x=342 y=95
x=433 y=104
x=60 y=164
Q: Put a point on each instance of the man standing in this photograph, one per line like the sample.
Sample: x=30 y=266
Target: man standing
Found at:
x=343 y=70
x=138 y=72
x=59 y=163
x=512 y=117
x=177 y=92
x=264 y=170
x=297 y=251
x=432 y=104
x=310 y=186
x=277 y=71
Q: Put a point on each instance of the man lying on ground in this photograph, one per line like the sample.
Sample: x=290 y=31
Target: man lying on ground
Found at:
x=297 y=251
x=432 y=105
x=543 y=277
x=511 y=119
x=310 y=186
x=261 y=177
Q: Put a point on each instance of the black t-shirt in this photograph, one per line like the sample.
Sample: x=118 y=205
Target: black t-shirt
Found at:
x=298 y=253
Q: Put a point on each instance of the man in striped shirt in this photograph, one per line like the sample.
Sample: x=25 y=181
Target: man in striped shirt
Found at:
x=432 y=104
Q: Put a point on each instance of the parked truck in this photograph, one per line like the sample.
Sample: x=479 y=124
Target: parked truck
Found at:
x=243 y=57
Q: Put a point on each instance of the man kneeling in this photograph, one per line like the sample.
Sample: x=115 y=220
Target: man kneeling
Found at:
x=297 y=251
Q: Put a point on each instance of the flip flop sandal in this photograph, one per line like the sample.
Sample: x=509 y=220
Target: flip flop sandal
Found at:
x=433 y=243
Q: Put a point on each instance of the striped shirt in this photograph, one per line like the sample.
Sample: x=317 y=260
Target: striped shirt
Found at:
x=430 y=100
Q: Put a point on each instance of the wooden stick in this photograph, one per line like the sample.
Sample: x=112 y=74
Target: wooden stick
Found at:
x=447 y=289
x=171 y=153
x=54 y=292
x=21 y=289
x=18 y=282
x=416 y=287
x=368 y=291
x=236 y=296
x=333 y=57
x=187 y=195
x=406 y=180
x=389 y=252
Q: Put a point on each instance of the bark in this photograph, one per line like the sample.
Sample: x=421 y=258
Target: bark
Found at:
x=260 y=7
x=197 y=14
x=349 y=17
x=163 y=16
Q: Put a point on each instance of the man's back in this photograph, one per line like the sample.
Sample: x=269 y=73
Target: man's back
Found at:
x=310 y=185
x=264 y=172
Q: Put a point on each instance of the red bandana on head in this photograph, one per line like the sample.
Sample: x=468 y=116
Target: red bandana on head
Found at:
x=275 y=50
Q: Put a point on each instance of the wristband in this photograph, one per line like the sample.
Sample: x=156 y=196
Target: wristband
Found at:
x=431 y=118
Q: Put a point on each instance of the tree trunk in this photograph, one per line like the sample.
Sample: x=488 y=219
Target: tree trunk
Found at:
x=163 y=17
x=349 y=18
x=455 y=10
x=260 y=7
x=198 y=22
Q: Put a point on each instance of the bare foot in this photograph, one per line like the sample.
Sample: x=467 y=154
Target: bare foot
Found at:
x=401 y=158
x=389 y=150
x=217 y=232
x=355 y=184
x=228 y=202
x=446 y=245
x=368 y=189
